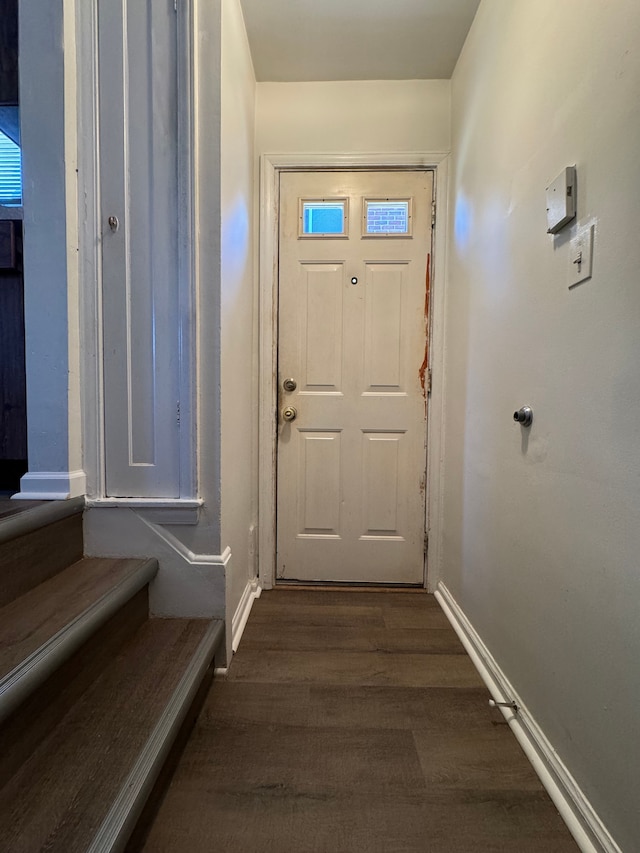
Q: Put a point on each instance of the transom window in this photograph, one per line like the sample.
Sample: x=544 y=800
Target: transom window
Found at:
x=386 y=217
x=323 y=217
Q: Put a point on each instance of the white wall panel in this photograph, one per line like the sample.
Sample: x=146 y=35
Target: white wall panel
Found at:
x=138 y=177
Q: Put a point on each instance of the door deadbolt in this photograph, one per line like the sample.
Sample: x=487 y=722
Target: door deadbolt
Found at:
x=114 y=224
x=289 y=384
x=289 y=414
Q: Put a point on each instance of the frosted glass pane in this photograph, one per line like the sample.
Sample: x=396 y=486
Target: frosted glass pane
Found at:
x=387 y=217
x=323 y=217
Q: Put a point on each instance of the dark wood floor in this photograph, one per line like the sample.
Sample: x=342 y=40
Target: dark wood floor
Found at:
x=353 y=721
x=9 y=507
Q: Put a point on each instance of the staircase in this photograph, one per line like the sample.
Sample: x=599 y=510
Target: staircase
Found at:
x=95 y=695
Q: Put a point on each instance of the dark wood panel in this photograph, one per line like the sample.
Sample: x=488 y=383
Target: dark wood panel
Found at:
x=9 y=93
x=59 y=797
x=346 y=725
x=42 y=711
x=8 y=248
x=28 y=622
x=9 y=507
x=145 y=822
x=33 y=558
x=357 y=669
x=440 y=710
x=341 y=616
x=13 y=389
x=198 y=820
x=297 y=594
x=317 y=638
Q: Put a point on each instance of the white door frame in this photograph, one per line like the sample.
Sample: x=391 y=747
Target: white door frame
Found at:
x=271 y=165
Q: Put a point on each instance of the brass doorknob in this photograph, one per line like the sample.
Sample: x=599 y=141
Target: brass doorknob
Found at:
x=289 y=414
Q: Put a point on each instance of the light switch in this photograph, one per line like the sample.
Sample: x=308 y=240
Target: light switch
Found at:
x=581 y=256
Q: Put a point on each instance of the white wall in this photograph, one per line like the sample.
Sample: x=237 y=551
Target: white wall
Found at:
x=193 y=559
x=353 y=116
x=541 y=533
x=238 y=345
x=48 y=111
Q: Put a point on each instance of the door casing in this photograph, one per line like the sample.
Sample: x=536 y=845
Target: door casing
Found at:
x=271 y=166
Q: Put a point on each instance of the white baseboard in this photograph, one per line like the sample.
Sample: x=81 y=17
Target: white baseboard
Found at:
x=589 y=832
x=239 y=620
x=241 y=616
x=51 y=486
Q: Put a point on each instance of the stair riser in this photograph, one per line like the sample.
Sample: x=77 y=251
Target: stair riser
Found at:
x=38 y=715
x=36 y=556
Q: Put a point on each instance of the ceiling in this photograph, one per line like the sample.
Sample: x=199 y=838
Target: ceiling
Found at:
x=303 y=40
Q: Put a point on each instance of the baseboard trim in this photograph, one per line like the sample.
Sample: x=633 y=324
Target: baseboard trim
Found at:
x=252 y=591
x=51 y=486
x=189 y=556
x=588 y=831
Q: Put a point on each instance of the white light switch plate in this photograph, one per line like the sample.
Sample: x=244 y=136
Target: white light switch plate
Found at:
x=580 y=256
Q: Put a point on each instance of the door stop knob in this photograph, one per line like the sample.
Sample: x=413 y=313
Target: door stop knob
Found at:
x=524 y=416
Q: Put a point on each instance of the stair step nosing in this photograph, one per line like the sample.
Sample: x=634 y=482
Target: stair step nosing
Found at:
x=128 y=804
x=18 y=684
x=36 y=517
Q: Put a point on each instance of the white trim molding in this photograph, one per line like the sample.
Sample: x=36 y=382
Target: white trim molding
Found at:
x=189 y=583
x=51 y=486
x=590 y=834
x=270 y=167
x=252 y=591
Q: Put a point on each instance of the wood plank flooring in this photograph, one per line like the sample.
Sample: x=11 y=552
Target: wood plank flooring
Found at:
x=348 y=722
x=9 y=507
x=40 y=554
x=58 y=798
x=31 y=620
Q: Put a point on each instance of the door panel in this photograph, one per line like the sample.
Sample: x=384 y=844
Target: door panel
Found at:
x=381 y=466
x=383 y=326
x=320 y=476
x=352 y=333
x=138 y=186
x=321 y=320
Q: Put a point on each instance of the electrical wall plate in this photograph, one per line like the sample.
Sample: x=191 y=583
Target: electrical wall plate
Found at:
x=561 y=200
x=580 y=256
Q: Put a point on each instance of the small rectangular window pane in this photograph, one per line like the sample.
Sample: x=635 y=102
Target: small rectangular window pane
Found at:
x=10 y=172
x=323 y=218
x=387 y=217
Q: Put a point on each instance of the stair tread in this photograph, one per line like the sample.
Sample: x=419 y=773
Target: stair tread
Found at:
x=58 y=799
x=29 y=621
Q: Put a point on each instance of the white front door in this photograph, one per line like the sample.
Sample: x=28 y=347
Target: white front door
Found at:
x=354 y=251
